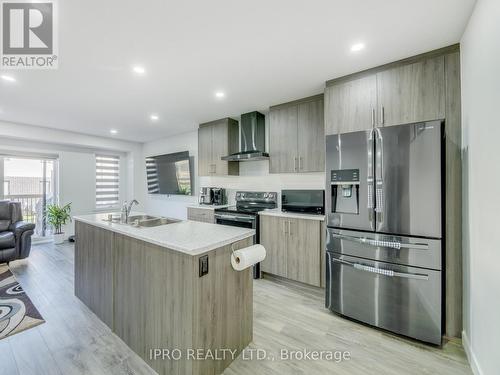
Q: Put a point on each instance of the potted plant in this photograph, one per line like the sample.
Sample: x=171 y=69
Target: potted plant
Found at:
x=58 y=216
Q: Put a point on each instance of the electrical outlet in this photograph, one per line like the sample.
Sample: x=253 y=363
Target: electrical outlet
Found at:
x=203 y=265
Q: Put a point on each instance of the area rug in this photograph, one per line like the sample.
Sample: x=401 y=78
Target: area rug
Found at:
x=17 y=312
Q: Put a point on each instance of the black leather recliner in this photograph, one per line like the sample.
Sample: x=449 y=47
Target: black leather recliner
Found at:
x=15 y=234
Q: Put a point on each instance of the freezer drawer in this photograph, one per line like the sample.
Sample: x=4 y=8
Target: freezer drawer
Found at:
x=404 y=300
x=409 y=251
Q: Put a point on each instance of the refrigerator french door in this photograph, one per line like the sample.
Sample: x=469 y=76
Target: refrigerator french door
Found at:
x=384 y=224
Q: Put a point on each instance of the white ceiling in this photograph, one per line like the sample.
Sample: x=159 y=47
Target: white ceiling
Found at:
x=259 y=52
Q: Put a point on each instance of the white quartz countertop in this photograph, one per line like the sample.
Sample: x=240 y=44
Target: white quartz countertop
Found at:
x=209 y=206
x=292 y=215
x=189 y=237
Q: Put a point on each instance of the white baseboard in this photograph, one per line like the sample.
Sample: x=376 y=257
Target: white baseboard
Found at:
x=470 y=355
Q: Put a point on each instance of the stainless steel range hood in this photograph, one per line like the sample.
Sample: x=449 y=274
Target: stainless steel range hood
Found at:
x=253 y=138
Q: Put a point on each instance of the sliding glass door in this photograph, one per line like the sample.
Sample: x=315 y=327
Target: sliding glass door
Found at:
x=33 y=182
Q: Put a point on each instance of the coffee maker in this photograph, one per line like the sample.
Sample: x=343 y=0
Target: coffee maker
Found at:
x=206 y=195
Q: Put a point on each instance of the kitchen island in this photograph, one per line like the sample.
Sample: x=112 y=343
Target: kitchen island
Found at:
x=169 y=292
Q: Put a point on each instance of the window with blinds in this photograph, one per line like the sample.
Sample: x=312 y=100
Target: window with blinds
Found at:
x=107 y=177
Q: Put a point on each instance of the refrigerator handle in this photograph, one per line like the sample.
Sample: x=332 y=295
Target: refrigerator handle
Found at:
x=382 y=243
x=379 y=175
x=381 y=271
x=369 y=178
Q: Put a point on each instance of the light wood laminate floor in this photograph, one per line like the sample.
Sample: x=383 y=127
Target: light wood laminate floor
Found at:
x=286 y=316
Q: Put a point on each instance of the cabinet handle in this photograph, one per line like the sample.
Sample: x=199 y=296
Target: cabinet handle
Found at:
x=373 y=117
x=289 y=228
x=301 y=167
x=284 y=227
x=295 y=164
x=382 y=115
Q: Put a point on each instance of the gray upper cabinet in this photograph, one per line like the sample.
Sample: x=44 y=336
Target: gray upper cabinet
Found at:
x=402 y=93
x=350 y=105
x=221 y=133
x=283 y=140
x=217 y=139
x=204 y=150
x=296 y=136
x=412 y=93
x=311 y=136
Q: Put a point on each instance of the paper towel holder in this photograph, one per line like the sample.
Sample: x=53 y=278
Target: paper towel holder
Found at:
x=237 y=259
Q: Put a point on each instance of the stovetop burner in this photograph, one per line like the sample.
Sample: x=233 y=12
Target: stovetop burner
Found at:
x=248 y=202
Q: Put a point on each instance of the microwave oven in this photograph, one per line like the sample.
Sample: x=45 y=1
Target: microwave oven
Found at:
x=303 y=201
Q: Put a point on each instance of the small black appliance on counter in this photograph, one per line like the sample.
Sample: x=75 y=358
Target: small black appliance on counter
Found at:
x=303 y=201
x=219 y=196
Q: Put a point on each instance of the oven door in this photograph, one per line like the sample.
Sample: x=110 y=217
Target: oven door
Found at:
x=236 y=220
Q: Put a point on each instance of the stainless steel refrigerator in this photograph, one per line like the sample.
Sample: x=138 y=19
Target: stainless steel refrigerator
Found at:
x=384 y=208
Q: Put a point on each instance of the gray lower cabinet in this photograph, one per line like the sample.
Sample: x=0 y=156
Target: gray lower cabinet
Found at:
x=351 y=105
x=200 y=214
x=297 y=136
x=217 y=139
x=411 y=93
x=303 y=251
x=293 y=248
x=273 y=238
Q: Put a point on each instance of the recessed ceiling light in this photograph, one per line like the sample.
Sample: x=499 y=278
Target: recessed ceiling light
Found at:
x=7 y=78
x=357 y=47
x=113 y=131
x=139 y=70
x=154 y=117
x=220 y=95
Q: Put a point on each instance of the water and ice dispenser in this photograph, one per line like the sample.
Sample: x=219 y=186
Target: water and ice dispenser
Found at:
x=345 y=191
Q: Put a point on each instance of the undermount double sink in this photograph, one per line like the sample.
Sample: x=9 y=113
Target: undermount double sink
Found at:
x=146 y=220
x=150 y=221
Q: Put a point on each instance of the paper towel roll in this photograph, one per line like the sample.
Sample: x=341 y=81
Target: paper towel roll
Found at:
x=248 y=256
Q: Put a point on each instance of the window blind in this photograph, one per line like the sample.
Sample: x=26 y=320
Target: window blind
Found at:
x=107 y=190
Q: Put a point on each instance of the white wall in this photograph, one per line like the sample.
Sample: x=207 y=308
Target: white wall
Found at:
x=76 y=162
x=480 y=48
x=254 y=176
